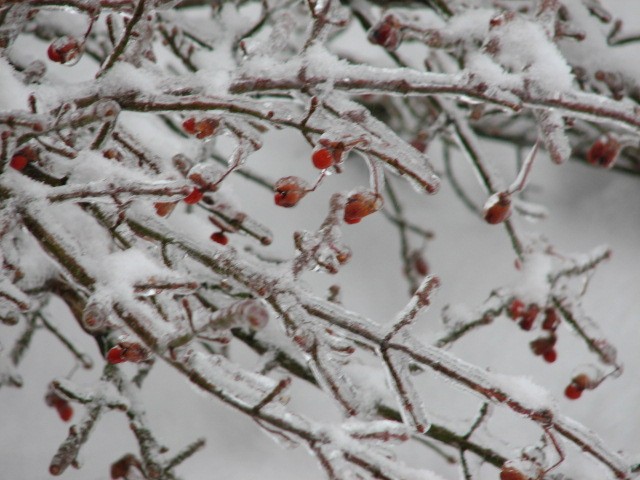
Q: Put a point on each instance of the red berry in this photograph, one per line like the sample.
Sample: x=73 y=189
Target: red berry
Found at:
x=322 y=158
x=289 y=191
x=116 y=355
x=19 y=161
x=516 y=309
x=386 y=33
x=529 y=317
x=65 y=50
x=189 y=125
x=541 y=346
x=164 y=209
x=220 y=237
x=120 y=469
x=604 y=152
x=202 y=128
x=65 y=411
x=360 y=205
x=21 y=158
x=497 y=208
x=550 y=356
x=112 y=153
x=551 y=319
x=194 y=197
x=511 y=473
x=206 y=127
x=572 y=392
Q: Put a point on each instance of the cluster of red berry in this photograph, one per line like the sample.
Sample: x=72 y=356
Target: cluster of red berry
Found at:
x=127 y=352
x=201 y=128
x=61 y=404
x=526 y=316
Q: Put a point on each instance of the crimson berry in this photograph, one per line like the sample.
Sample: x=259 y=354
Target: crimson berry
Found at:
x=322 y=158
x=206 y=127
x=120 y=469
x=550 y=356
x=497 y=208
x=18 y=162
x=516 y=309
x=164 y=209
x=189 y=125
x=551 y=319
x=360 y=205
x=65 y=411
x=511 y=473
x=21 y=158
x=202 y=128
x=52 y=399
x=604 y=152
x=194 y=197
x=65 y=50
x=529 y=317
x=541 y=346
x=386 y=33
x=572 y=392
x=220 y=237
x=116 y=355
x=289 y=191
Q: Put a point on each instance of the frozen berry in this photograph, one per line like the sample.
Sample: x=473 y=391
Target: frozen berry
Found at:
x=529 y=317
x=116 y=355
x=550 y=356
x=604 y=152
x=497 y=208
x=206 y=127
x=220 y=237
x=21 y=158
x=18 y=161
x=120 y=469
x=511 y=473
x=61 y=404
x=360 y=205
x=164 y=209
x=65 y=50
x=189 y=125
x=289 y=191
x=572 y=392
x=65 y=411
x=202 y=128
x=386 y=34
x=194 y=197
x=541 y=346
x=322 y=158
